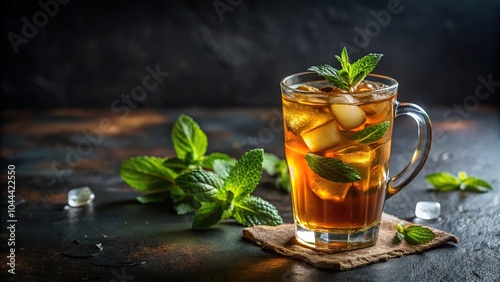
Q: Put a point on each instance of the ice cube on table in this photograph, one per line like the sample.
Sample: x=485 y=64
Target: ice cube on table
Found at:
x=328 y=190
x=303 y=117
x=321 y=138
x=428 y=210
x=80 y=197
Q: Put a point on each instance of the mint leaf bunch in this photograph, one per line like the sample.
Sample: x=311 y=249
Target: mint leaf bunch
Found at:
x=278 y=168
x=444 y=182
x=215 y=186
x=414 y=234
x=156 y=176
x=350 y=75
x=226 y=191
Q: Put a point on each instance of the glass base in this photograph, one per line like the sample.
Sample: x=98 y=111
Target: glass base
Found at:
x=337 y=242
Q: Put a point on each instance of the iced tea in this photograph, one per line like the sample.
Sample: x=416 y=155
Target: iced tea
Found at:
x=322 y=120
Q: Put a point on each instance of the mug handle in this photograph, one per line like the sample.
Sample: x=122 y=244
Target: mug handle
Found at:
x=421 y=153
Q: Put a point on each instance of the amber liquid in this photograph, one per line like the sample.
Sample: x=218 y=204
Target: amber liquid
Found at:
x=323 y=205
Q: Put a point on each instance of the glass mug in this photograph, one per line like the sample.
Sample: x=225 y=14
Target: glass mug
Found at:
x=339 y=216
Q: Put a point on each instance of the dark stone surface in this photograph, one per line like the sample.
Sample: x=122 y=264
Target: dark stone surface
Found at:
x=91 y=52
x=151 y=243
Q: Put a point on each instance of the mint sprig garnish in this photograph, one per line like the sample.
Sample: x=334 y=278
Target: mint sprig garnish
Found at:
x=371 y=133
x=230 y=198
x=332 y=169
x=444 y=181
x=220 y=182
x=350 y=75
x=414 y=234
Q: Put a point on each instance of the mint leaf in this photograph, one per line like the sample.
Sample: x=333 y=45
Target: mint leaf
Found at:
x=185 y=208
x=246 y=173
x=443 y=181
x=283 y=179
x=207 y=215
x=252 y=210
x=332 y=75
x=147 y=174
x=177 y=165
x=274 y=166
x=344 y=61
x=183 y=202
x=208 y=160
x=414 y=234
x=350 y=75
x=462 y=175
x=332 y=169
x=153 y=197
x=270 y=163
x=222 y=168
x=177 y=194
x=190 y=142
x=204 y=185
x=474 y=184
x=362 y=67
x=417 y=235
x=371 y=133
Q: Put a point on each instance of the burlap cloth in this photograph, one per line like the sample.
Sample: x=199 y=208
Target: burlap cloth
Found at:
x=281 y=240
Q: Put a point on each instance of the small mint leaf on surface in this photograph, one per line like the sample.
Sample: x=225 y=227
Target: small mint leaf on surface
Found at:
x=417 y=235
x=476 y=185
x=414 y=234
x=443 y=181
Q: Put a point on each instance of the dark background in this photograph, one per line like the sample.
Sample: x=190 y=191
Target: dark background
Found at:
x=89 y=53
